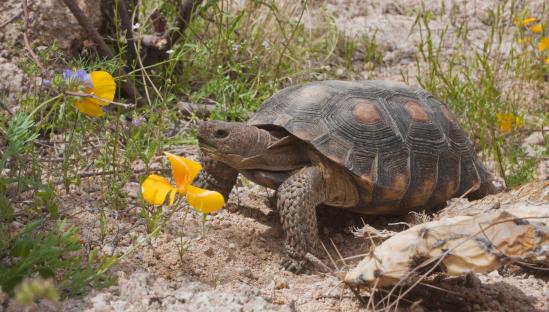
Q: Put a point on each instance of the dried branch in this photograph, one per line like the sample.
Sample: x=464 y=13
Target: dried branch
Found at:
x=126 y=25
x=93 y=96
x=11 y=19
x=26 y=38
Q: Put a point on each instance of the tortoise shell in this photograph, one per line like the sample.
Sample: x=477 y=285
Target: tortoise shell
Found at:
x=404 y=147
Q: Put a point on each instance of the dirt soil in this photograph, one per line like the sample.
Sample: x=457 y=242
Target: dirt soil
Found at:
x=233 y=263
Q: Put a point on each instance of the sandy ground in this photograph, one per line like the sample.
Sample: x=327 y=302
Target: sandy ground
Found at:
x=233 y=264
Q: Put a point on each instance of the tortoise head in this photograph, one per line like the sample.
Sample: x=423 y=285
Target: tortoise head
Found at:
x=246 y=147
x=232 y=142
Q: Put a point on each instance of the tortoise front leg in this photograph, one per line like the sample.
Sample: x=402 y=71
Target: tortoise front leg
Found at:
x=216 y=176
x=297 y=200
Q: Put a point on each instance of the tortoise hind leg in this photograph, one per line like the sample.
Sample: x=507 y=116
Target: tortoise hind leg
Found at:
x=216 y=176
x=297 y=199
x=489 y=183
x=491 y=186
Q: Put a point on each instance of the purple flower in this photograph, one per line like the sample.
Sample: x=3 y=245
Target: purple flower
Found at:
x=136 y=122
x=46 y=83
x=79 y=76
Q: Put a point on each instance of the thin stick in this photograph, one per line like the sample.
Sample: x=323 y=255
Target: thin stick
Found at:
x=26 y=38
x=330 y=256
x=338 y=253
x=11 y=19
x=358 y=296
x=93 y=96
x=323 y=267
x=441 y=289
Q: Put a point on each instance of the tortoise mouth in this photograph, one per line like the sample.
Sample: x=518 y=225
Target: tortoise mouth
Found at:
x=206 y=146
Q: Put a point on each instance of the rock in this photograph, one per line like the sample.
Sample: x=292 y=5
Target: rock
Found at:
x=246 y=273
x=160 y=295
x=209 y=252
x=101 y=303
x=317 y=294
x=133 y=189
x=535 y=138
x=280 y=284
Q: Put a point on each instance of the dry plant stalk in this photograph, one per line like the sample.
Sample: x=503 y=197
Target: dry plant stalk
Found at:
x=459 y=245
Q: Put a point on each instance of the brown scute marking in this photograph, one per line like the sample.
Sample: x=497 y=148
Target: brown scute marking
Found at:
x=366 y=112
x=446 y=113
x=450 y=189
x=420 y=196
x=416 y=112
x=397 y=190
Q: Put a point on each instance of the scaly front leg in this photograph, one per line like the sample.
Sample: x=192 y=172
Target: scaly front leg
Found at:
x=216 y=176
x=297 y=200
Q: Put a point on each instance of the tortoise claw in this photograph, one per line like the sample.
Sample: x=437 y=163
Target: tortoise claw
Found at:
x=293 y=265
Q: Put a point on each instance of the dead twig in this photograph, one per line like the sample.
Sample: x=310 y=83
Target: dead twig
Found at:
x=314 y=260
x=26 y=38
x=93 y=96
x=11 y=19
x=90 y=174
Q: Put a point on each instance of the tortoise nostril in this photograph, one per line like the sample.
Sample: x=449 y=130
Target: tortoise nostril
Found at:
x=221 y=133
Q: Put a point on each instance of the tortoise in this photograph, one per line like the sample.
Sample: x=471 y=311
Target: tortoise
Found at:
x=374 y=147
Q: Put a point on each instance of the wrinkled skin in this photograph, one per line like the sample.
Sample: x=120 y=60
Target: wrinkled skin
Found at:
x=303 y=178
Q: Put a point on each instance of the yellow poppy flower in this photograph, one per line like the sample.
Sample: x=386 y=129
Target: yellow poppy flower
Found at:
x=102 y=86
x=506 y=122
x=525 y=22
x=525 y=40
x=155 y=188
x=543 y=44
x=536 y=28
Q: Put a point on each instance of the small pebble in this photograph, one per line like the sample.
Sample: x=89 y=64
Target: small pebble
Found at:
x=317 y=294
x=246 y=273
x=280 y=284
x=209 y=252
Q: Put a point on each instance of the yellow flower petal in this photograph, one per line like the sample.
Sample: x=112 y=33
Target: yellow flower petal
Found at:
x=507 y=122
x=204 y=200
x=525 y=21
x=103 y=86
x=536 y=28
x=546 y=61
x=155 y=189
x=543 y=44
x=184 y=170
x=90 y=107
x=525 y=40
x=519 y=123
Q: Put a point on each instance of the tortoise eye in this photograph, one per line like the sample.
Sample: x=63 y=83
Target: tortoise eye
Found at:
x=221 y=134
